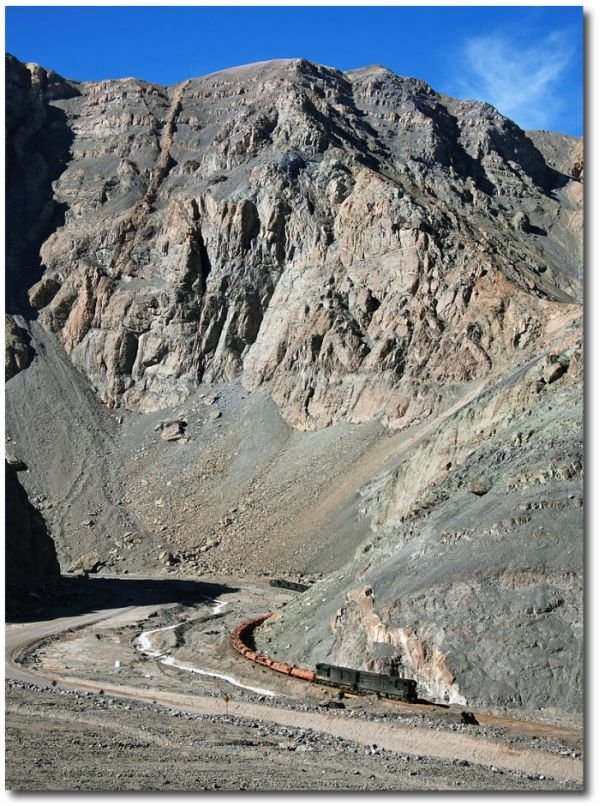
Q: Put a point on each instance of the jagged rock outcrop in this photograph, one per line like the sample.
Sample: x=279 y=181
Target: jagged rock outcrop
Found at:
x=17 y=352
x=346 y=242
x=30 y=555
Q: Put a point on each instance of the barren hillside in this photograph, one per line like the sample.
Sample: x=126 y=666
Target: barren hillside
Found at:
x=288 y=320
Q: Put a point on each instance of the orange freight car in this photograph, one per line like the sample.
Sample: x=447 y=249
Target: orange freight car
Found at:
x=244 y=632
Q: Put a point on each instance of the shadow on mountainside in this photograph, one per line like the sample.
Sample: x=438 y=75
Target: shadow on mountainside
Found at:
x=77 y=596
x=38 y=148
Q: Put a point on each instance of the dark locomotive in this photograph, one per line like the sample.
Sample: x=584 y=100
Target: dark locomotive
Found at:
x=399 y=688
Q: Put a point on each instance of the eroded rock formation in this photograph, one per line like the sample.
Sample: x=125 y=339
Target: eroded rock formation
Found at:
x=347 y=242
x=472 y=580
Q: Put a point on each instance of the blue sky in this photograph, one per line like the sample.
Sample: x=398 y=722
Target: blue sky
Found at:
x=527 y=61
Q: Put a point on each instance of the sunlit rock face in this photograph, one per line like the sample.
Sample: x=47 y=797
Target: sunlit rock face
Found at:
x=352 y=243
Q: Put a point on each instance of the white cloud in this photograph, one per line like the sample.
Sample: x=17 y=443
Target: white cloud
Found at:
x=523 y=80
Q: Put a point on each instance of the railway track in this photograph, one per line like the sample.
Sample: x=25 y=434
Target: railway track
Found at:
x=515 y=727
x=475 y=749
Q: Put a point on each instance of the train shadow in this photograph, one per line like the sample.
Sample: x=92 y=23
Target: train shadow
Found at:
x=75 y=596
x=420 y=701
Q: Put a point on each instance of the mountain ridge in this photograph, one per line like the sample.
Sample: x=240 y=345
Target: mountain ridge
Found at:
x=307 y=112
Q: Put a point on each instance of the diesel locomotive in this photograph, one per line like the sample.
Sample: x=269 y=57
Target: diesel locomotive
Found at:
x=399 y=688
x=340 y=677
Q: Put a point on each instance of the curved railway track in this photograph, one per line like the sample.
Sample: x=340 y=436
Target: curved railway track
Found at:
x=428 y=742
x=515 y=727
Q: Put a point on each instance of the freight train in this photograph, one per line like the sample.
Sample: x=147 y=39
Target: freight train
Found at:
x=293 y=586
x=398 y=688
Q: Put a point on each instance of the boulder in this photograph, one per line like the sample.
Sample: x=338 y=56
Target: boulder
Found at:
x=554 y=372
x=89 y=563
x=172 y=432
x=520 y=222
x=479 y=487
x=167 y=558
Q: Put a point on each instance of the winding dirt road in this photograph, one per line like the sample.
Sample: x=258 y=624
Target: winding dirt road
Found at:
x=420 y=741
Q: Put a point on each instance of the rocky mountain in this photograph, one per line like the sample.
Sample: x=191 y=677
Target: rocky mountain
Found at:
x=285 y=248
x=196 y=212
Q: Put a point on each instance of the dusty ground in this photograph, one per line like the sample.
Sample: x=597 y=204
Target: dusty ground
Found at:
x=104 y=743
x=104 y=726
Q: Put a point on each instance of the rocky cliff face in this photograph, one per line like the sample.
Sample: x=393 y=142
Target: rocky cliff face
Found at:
x=472 y=580
x=285 y=248
x=346 y=242
x=17 y=352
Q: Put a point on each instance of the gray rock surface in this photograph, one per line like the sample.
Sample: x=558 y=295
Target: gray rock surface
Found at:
x=477 y=597
x=17 y=352
x=346 y=242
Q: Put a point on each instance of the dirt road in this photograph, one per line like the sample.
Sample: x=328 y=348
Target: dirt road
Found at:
x=437 y=744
